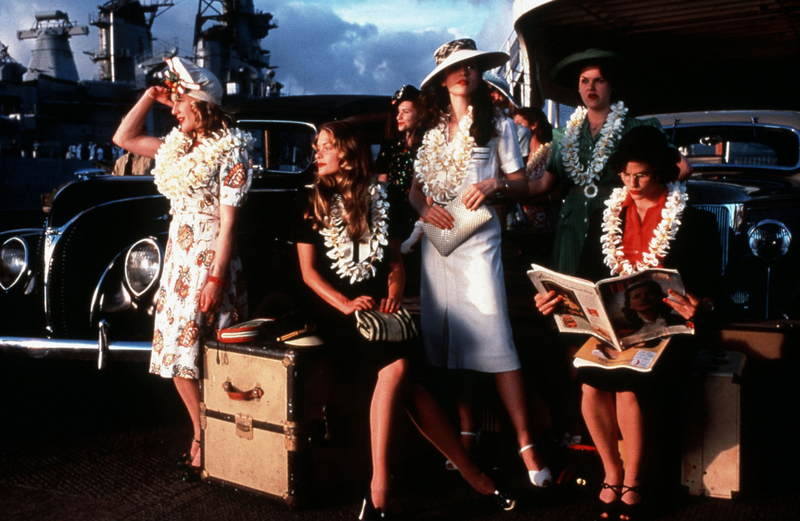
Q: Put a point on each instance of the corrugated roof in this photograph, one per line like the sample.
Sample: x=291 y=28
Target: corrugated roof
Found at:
x=682 y=54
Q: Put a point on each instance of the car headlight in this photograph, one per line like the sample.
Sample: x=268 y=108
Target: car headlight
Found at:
x=769 y=240
x=13 y=261
x=142 y=265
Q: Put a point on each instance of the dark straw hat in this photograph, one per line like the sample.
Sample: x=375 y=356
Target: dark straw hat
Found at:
x=406 y=93
x=565 y=73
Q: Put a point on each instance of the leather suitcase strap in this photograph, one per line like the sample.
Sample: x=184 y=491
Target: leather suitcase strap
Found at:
x=237 y=395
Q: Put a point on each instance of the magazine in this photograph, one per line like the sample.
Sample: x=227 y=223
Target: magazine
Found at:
x=621 y=311
x=641 y=357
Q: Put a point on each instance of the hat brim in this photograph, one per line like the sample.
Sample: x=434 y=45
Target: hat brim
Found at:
x=504 y=91
x=487 y=60
x=565 y=73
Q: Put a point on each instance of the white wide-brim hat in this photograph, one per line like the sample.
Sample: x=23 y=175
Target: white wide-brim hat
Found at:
x=197 y=82
x=462 y=50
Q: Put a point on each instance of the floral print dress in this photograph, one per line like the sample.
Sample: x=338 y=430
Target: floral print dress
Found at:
x=216 y=172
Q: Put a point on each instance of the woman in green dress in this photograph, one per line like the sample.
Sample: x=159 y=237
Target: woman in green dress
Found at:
x=579 y=159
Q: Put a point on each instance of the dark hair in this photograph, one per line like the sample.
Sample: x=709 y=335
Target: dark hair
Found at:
x=437 y=100
x=649 y=145
x=355 y=160
x=633 y=316
x=419 y=130
x=611 y=71
x=544 y=129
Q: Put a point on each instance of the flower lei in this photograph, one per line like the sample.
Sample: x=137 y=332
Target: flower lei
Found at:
x=337 y=240
x=659 y=244
x=441 y=166
x=609 y=134
x=537 y=161
x=179 y=173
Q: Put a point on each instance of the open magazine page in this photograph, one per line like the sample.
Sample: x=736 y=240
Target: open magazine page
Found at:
x=639 y=358
x=581 y=309
x=635 y=307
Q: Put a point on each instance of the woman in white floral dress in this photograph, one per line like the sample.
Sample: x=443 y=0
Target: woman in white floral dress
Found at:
x=203 y=167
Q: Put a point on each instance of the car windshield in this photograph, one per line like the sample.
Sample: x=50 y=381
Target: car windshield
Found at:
x=739 y=145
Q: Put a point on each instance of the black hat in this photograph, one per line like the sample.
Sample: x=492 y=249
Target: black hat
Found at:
x=566 y=71
x=406 y=93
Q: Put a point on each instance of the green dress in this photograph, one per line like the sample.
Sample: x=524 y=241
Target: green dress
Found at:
x=573 y=221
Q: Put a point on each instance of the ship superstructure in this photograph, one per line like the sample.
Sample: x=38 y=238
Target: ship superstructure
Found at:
x=52 y=54
x=125 y=37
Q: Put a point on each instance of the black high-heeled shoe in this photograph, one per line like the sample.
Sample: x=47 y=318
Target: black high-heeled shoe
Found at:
x=609 y=511
x=505 y=500
x=185 y=459
x=368 y=510
x=192 y=475
x=632 y=512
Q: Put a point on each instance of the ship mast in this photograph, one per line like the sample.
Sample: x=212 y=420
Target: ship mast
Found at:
x=227 y=41
x=125 y=35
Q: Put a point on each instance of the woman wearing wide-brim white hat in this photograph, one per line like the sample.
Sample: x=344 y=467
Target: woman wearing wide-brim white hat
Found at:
x=471 y=153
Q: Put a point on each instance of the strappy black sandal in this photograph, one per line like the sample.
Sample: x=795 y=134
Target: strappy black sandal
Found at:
x=631 y=512
x=609 y=511
x=185 y=459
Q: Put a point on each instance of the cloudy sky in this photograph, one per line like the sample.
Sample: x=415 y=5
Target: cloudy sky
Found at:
x=333 y=46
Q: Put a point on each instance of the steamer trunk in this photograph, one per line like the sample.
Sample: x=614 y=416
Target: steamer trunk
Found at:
x=281 y=421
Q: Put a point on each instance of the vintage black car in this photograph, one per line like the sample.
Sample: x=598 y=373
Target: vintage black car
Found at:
x=84 y=284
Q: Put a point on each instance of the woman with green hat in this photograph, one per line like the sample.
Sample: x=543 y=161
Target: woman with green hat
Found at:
x=581 y=149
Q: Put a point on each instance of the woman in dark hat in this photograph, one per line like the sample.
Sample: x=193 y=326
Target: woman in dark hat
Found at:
x=203 y=168
x=647 y=224
x=395 y=161
x=470 y=154
x=579 y=161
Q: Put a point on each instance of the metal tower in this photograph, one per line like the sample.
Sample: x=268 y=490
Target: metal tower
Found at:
x=52 y=54
x=125 y=33
x=230 y=45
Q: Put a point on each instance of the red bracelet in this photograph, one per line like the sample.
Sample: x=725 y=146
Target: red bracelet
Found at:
x=216 y=280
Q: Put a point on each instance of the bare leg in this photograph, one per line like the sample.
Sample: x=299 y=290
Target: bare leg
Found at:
x=382 y=415
x=431 y=420
x=189 y=390
x=631 y=424
x=599 y=413
x=512 y=392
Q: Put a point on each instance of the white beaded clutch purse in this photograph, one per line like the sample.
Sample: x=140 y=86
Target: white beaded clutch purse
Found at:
x=465 y=223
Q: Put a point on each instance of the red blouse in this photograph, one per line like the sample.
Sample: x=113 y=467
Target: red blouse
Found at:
x=637 y=234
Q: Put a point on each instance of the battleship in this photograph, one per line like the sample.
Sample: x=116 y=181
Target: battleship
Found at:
x=54 y=124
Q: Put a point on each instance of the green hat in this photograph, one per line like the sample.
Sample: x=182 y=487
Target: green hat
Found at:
x=566 y=71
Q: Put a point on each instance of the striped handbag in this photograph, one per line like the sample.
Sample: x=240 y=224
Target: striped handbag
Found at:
x=386 y=327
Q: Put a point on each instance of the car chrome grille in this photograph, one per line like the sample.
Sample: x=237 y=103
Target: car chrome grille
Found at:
x=723 y=215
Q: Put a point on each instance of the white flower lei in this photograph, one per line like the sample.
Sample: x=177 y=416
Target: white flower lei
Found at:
x=178 y=172
x=336 y=237
x=441 y=166
x=659 y=244
x=609 y=134
x=537 y=161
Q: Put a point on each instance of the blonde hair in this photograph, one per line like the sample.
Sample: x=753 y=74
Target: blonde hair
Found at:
x=355 y=166
x=210 y=116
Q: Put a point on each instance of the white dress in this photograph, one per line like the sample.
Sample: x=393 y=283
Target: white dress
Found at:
x=464 y=311
x=191 y=248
